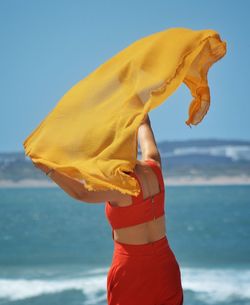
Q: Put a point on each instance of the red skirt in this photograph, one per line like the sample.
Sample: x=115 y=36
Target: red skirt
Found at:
x=146 y=274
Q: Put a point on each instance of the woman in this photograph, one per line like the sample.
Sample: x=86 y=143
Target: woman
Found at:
x=144 y=270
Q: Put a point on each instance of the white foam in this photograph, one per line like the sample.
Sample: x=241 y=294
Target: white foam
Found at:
x=91 y=284
x=208 y=285
x=217 y=285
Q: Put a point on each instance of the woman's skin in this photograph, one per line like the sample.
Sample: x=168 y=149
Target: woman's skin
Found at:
x=139 y=234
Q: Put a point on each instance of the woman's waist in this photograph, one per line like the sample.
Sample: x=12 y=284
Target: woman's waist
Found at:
x=159 y=248
x=144 y=233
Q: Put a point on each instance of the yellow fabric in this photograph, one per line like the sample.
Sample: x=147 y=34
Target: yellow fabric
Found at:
x=91 y=134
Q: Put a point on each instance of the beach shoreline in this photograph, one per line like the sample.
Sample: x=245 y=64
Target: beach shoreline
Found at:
x=169 y=181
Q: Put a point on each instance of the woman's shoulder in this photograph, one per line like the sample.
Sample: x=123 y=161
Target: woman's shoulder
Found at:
x=146 y=176
x=142 y=173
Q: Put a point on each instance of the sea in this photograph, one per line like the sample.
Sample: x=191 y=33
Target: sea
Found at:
x=55 y=250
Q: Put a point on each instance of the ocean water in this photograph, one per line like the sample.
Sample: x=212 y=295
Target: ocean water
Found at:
x=56 y=250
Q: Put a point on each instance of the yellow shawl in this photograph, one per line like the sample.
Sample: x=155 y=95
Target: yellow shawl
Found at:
x=91 y=134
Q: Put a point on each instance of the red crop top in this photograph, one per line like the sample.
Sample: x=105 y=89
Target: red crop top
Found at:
x=141 y=210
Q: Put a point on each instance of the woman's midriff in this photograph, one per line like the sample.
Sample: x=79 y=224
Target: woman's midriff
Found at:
x=143 y=233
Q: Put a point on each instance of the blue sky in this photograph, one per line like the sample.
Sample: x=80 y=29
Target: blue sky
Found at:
x=48 y=46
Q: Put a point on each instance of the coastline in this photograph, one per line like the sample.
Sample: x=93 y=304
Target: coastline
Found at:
x=169 y=181
x=217 y=180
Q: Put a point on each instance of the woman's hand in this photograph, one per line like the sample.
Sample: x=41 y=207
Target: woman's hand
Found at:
x=70 y=186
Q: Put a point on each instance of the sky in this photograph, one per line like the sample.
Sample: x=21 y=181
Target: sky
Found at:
x=49 y=46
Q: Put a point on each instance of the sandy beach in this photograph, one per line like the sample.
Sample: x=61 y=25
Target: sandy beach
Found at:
x=219 y=180
x=170 y=181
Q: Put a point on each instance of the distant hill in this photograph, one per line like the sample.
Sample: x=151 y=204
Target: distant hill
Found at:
x=207 y=158
x=193 y=158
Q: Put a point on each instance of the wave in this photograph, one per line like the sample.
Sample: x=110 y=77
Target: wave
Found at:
x=217 y=285
x=208 y=285
x=91 y=283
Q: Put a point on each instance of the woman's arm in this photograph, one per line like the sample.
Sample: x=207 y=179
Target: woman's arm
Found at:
x=147 y=142
x=77 y=190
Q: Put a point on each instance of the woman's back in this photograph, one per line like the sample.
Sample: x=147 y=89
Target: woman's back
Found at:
x=151 y=181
